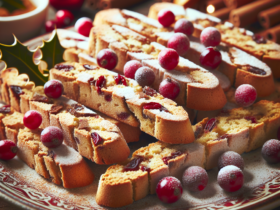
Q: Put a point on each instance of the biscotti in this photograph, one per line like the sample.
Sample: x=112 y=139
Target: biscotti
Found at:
x=129 y=45
x=136 y=178
x=78 y=123
x=237 y=65
x=265 y=50
x=124 y=100
x=62 y=165
x=240 y=130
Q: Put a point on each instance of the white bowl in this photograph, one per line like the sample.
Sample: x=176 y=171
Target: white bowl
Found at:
x=24 y=26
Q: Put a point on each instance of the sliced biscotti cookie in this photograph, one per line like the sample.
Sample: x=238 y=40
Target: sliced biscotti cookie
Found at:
x=265 y=50
x=137 y=177
x=12 y=123
x=63 y=165
x=4 y=111
x=240 y=130
x=123 y=99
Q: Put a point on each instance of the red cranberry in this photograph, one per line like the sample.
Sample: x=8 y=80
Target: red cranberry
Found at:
x=245 y=95
x=230 y=178
x=145 y=76
x=96 y=138
x=52 y=137
x=168 y=59
x=231 y=158
x=107 y=59
x=130 y=68
x=120 y=80
x=8 y=150
x=32 y=119
x=210 y=36
x=210 y=58
x=169 y=189
x=51 y=25
x=64 y=67
x=195 y=178
x=53 y=88
x=184 y=26
x=166 y=17
x=83 y=26
x=179 y=42
x=64 y=17
x=169 y=88
x=271 y=151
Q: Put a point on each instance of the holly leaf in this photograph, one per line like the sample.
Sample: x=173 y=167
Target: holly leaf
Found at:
x=20 y=57
x=52 y=51
x=12 y=5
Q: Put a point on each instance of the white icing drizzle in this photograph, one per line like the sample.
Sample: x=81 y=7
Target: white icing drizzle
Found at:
x=158 y=46
x=165 y=35
x=126 y=92
x=228 y=24
x=136 y=27
x=177 y=10
x=142 y=18
x=84 y=77
x=139 y=56
x=193 y=15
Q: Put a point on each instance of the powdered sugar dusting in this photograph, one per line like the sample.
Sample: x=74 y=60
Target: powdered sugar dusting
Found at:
x=134 y=26
x=231 y=158
x=65 y=155
x=126 y=92
x=167 y=115
x=158 y=46
x=84 y=77
x=165 y=35
x=223 y=79
x=193 y=15
x=139 y=56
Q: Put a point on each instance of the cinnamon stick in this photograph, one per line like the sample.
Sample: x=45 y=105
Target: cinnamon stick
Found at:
x=270 y=17
x=248 y=14
x=237 y=3
x=187 y=3
x=223 y=14
x=273 y=34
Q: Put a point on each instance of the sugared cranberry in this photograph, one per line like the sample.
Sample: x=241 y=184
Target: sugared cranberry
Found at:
x=169 y=88
x=172 y=156
x=8 y=150
x=83 y=26
x=64 y=17
x=179 y=42
x=259 y=39
x=169 y=189
x=251 y=118
x=210 y=36
x=100 y=83
x=230 y=178
x=96 y=138
x=195 y=178
x=52 y=137
x=120 y=80
x=184 y=26
x=133 y=165
x=32 y=119
x=130 y=68
x=145 y=76
x=5 y=109
x=245 y=95
x=107 y=59
x=50 y=25
x=231 y=158
x=53 y=88
x=168 y=59
x=210 y=125
x=271 y=151
x=155 y=105
x=210 y=58
x=166 y=17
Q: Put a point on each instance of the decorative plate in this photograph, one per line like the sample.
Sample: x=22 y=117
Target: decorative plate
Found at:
x=24 y=187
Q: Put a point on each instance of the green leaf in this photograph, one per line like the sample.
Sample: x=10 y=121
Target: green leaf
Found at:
x=18 y=56
x=52 y=51
x=12 y=5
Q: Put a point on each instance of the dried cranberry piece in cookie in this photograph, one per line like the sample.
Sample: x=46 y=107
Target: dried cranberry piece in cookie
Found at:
x=172 y=156
x=100 y=83
x=5 y=109
x=133 y=165
x=144 y=168
x=16 y=90
x=96 y=138
x=149 y=91
x=123 y=115
x=259 y=39
x=120 y=80
x=255 y=70
x=155 y=105
x=210 y=125
x=64 y=67
x=251 y=118
x=89 y=67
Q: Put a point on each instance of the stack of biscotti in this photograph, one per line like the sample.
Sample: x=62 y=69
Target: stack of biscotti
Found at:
x=77 y=122
x=237 y=65
x=124 y=100
x=129 y=45
x=18 y=91
x=63 y=165
x=265 y=50
x=240 y=130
